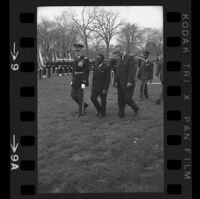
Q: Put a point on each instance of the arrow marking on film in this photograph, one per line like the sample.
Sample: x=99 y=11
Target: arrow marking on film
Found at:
x=13 y=145
x=14 y=55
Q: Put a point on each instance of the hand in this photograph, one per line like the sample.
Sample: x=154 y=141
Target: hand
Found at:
x=116 y=84
x=82 y=86
x=71 y=82
x=104 y=91
x=129 y=84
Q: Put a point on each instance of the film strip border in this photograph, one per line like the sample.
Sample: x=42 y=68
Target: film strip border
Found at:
x=177 y=102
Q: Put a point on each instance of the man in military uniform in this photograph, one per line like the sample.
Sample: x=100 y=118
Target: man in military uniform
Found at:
x=48 y=67
x=159 y=71
x=145 y=74
x=100 y=84
x=80 y=76
x=125 y=80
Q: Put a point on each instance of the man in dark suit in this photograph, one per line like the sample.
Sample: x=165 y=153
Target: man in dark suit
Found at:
x=125 y=81
x=80 y=76
x=100 y=84
x=159 y=71
x=145 y=74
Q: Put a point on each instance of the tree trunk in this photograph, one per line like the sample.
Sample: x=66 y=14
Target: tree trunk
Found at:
x=107 y=50
x=87 y=49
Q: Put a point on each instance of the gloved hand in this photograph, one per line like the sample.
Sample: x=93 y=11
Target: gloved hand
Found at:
x=80 y=63
x=104 y=91
x=82 y=86
x=129 y=84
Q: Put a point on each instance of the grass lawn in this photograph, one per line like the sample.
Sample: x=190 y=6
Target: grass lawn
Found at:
x=88 y=154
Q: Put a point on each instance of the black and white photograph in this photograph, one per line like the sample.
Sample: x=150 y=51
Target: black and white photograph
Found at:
x=100 y=99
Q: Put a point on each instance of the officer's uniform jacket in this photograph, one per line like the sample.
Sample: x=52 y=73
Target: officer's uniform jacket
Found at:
x=145 y=71
x=160 y=69
x=80 y=73
x=126 y=71
x=101 y=77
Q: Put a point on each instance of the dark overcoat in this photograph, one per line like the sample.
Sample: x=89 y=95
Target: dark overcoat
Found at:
x=145 y=71
x=101 y=77
x=126 y=71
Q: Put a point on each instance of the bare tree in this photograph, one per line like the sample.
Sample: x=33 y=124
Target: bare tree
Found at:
x=84 y=25
x=106 y=26
x=128 y=37
x=96 y=42
x=65 y=34
x=45 y=35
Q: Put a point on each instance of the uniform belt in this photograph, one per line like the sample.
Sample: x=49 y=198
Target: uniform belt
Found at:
x=78 y=73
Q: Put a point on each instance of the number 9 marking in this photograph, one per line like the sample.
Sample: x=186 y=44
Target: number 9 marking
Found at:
x=15 y=67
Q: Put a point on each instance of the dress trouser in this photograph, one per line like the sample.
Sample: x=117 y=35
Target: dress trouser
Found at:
x=161 y=94
x=144 y=89
x=99 y=107
x=44 y=72
x=125 y=97
x=40 y=73
x=49 y=71
x=77 y=96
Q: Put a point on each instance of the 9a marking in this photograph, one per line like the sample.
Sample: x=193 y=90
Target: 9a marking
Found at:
x=14 y=157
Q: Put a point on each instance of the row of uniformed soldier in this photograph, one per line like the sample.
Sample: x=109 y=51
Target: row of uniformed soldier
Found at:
x=60 y=67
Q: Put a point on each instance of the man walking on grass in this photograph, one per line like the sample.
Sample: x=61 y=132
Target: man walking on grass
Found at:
x=100 y=84
x=79 y=81
x=125 y=81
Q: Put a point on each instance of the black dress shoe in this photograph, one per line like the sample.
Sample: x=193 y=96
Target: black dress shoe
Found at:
x=121 y=116
x=101 y=116
x=136 y=111
x=141 y=98
x=85 y=106
x=98 y=113
x=80 y=115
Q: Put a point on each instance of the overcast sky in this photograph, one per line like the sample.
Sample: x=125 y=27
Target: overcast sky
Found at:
x=143 y=16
